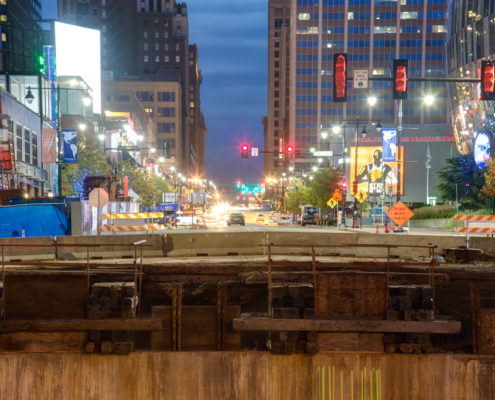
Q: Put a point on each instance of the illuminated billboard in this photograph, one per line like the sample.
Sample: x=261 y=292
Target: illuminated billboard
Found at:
x=78 y=54
x=374 y=176
x=482 y=149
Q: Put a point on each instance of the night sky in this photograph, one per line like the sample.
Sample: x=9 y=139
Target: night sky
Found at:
x=232 y=41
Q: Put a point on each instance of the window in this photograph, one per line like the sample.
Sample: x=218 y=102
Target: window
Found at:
x=277 y=54
x=177 y=47
x=156 y=22
x=145 y=58
x=145 y=23
x=165 y=35
x=145 y=34
x=95 y=11
x=166 y=127
x=177 y=59
x=145 y=96
x=409 y=15
x=276 y=64
x=27 y=145
x=166 y=96
x=145 y=46
x=157 y=58
x=157 y=35
x=34 y=144
x=166 y=111
x=18 y=139
x=166 y=59
x=157 y=46
x=384 y=29
x=277 y=44
x=350 y=15
x=437 y=29
x=303 y=16
x=165 y=46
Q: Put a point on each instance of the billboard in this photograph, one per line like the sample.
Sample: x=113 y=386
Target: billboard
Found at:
x=375 y=176
x=78 y=54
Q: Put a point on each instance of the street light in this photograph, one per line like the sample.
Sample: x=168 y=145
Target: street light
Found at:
x=372 y=100
x=429 y=99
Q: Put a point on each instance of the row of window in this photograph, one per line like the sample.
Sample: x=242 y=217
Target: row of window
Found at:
x=157 y=46
x=165 y=59
x=313 y=30
x=378 y=15
x=29 y=152
x=314 y=3
x=150 y=96
x=156 y=35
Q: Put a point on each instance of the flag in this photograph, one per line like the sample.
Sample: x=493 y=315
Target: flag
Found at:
x=48 y=149
x=389 y=144
x=70 y=146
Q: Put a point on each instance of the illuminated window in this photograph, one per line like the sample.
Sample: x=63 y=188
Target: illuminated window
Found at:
x=3 y=18
x=438 y=29
x=350 y=15
x=409 y=15
x=303 y=16
x=384 y=29
x=166 y=58
x=145 y=34
x=177 y=59
x=145 y=58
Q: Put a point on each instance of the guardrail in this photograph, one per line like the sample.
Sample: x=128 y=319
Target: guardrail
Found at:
x=136 y=268
x=430 y=274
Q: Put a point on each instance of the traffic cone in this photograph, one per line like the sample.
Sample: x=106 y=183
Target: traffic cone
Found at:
x=387 y=227
x=377 y=225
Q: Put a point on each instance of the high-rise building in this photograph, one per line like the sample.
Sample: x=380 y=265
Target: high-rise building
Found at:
x=20 y=35
x=304 y=36
x=277 y=121
x=147 y=40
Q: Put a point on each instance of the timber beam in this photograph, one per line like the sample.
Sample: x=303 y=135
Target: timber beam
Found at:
x=316 y=325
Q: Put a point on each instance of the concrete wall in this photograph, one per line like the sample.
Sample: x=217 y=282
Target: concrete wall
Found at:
x=246 y=375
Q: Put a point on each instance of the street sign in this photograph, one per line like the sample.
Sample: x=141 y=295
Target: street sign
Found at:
x=328 y=153
x=254 y=152
x=332 y=203
x=337 y=196
x=98 y=197
x=360 y=79
x=399 y=213
x=361 y=196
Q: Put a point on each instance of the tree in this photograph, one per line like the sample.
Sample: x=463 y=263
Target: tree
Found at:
x=323 y=185
x=489 y=188
x=462 y=176
x=91 y=161
x=294 y=198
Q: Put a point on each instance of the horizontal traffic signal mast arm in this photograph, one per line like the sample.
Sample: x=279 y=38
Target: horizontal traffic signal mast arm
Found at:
x=424 y=79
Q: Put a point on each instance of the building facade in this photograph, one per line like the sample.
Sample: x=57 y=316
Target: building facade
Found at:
x=304 y=35
x=20 y=37
x=162 y=102
x=471 y=39
x=149 y=40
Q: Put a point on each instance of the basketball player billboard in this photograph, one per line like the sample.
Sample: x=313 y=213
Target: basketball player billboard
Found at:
x=375 y=176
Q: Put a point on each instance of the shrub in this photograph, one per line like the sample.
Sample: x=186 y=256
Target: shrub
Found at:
x=432 y=212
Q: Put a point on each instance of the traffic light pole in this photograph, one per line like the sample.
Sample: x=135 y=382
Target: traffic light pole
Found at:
x=399 y=135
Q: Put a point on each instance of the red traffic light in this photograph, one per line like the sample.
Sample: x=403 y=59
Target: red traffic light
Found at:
x=340 y=77
x=244 y=151
x=290 y=149
x=487 y=80
x=400 y=79
x=343 y=185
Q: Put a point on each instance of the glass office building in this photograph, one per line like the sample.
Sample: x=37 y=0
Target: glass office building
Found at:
x=471 y=39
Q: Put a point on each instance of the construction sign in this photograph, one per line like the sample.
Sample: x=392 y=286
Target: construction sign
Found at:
x=332 y=203
x=361 y=196
x=337 y=195
x=399 y=213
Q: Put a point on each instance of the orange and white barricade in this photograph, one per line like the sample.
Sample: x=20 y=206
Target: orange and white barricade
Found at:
x=132 y=222
x=476 y=224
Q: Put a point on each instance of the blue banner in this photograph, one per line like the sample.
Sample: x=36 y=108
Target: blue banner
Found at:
x=389 y=144
x=70 y=146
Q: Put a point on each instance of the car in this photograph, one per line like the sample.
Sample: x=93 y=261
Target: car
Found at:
x=260 y=218
x=283 y=220
x=236 y=218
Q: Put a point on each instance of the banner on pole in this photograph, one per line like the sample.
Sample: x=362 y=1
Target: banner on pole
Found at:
x=48 y=146
x=70 y=146
x=389 y=145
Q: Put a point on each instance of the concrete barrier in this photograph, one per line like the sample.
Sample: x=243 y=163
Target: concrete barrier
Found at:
x=39 y=248
x=187 y=244
x=116 y=246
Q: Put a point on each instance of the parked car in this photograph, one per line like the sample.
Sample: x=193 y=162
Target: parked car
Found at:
x=236 y=218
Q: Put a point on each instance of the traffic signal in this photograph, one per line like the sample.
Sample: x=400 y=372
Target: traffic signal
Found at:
x=400 y=79
x=340 y=77
x=238 y=183
x=343 y=185
x=244 y=151
x=289 y=150
x=487 y=80
x=354 y=187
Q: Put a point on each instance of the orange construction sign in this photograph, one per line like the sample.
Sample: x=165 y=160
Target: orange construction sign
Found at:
x=337 y=196
x=399 y=213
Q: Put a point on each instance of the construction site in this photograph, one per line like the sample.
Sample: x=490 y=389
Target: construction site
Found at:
x=267 y=314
